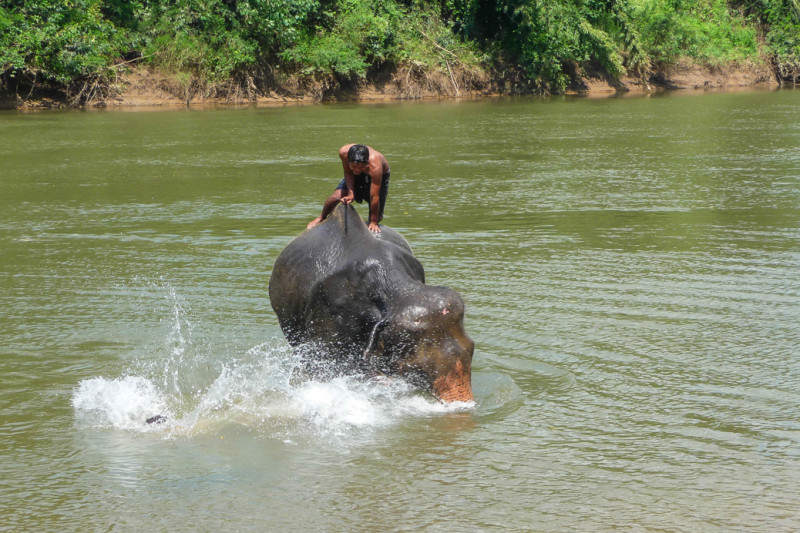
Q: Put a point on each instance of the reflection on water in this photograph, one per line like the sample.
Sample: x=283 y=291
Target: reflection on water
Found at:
x=630 y=273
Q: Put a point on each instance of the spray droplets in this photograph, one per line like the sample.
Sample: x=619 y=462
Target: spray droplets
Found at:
x=262 y=390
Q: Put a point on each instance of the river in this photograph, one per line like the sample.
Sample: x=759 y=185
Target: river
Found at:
x=630 y=266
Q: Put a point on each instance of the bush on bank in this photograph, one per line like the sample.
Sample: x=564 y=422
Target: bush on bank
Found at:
x=79 y=47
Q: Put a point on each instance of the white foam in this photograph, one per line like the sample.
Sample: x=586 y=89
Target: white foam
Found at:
x=251 y=397
x=262 y=389
x=122 y=403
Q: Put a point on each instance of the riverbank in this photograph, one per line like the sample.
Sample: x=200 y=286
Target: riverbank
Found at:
x=144 y=87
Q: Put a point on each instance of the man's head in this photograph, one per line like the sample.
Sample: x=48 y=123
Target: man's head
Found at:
x=358 y=154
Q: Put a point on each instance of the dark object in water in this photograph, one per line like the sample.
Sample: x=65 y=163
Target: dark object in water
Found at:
x=158 y=419
x=358 y=299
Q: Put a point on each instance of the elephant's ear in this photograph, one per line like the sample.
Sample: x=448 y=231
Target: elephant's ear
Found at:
x=370 y=350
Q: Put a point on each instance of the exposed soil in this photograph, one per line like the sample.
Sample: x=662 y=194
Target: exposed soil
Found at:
x=679 y=76
x=142 y=87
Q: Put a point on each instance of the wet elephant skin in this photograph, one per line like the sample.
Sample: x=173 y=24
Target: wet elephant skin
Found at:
x=354 y=301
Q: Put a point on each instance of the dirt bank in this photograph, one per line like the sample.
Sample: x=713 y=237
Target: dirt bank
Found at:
x=680 y=76
x=143 y=87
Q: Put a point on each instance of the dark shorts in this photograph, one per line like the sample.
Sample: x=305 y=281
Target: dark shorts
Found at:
x=361 y=189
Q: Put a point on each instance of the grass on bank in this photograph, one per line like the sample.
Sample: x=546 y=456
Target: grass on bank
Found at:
x=250 y=47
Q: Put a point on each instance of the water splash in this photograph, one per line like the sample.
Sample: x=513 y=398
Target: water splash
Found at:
x=263 y=390
x=263 y=395
x=122 y=403
x=179 y=336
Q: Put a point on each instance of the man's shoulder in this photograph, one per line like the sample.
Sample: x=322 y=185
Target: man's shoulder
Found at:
x=379 y=156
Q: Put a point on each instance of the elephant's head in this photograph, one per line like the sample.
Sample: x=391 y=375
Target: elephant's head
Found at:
x=422 y=339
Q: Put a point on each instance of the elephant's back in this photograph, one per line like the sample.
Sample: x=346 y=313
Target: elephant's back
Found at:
x=388 y=234
x=325 y=253
x=296 y=271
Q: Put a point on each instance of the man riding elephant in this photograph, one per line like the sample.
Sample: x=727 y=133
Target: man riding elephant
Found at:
x=356 y=301
x=366 y=178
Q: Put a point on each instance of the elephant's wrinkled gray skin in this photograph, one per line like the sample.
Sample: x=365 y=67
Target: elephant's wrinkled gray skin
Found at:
x=360 y=300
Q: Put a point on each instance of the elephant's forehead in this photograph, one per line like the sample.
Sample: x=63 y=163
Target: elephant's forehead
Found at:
x=423 y=309
x=416 y=310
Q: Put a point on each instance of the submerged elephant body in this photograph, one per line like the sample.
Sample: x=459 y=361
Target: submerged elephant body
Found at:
x=359 y=302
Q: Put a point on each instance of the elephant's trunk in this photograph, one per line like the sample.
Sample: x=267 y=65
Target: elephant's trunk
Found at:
x=455 y=386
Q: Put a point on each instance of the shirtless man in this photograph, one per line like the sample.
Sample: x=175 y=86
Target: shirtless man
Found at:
x=366 y=177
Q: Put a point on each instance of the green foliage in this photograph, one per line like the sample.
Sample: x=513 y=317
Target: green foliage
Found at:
x=53 y=40
x=69 y=43
x=706 y=31
x=624 y=36
x=429 y=43
x=199 y=36
x=372 y=34
x=544 y=36
x=781 y=18
x=361 y=35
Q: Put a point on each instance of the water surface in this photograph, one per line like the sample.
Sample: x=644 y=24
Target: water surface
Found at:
x=631 y=272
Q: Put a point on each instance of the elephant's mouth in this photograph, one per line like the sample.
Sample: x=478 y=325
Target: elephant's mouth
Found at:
x=455 y=386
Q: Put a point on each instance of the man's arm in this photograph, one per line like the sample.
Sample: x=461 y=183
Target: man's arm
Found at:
x=376 y=177
x=349 y=178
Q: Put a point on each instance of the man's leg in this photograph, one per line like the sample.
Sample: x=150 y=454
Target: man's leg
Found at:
x=327 y=207
x=384 y=192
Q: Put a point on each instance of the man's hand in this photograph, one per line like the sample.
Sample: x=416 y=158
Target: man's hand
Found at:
x=348 y=198
x=374 y=228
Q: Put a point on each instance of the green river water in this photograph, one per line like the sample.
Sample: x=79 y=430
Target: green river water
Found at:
x=631 y=269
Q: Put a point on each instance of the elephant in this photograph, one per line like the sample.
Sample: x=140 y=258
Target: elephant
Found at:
x=354 y=301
